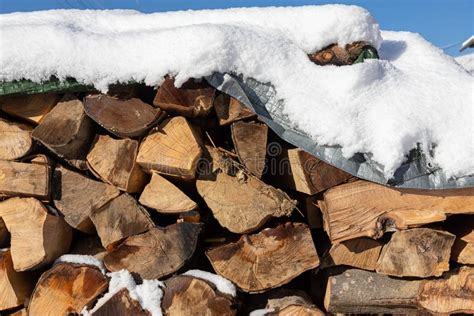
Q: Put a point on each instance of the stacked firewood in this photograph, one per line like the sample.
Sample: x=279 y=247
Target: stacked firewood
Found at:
x=157 y=182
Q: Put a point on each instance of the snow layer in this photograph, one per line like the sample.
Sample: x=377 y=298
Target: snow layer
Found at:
x=222 y=284
x=467 y=61
x=82 y=259
x=414 y=94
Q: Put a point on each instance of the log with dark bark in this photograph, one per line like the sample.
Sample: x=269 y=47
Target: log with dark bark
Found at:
x=362 y=208
x=15 y=140
x=268 y=259
x=37 y=237
x=66 y=288
x=193 y=99
x=120 y=218
x=250 y=142
x=124 y=118
x=186 y=295
x=24 y=179
x=76 y=196
x=229 y=109
x=362 y=253
x=239 y=201
x=174 y=149
x=166 y=250
x=113 y=160
x=31 y=108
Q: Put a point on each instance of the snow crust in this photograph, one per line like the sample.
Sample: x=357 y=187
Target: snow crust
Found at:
x=261 y=312
x=413 y=94
x=222 y=284
x=467 y=61
x=82 y=259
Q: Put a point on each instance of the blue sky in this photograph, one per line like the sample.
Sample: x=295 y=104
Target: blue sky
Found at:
x=443 y=22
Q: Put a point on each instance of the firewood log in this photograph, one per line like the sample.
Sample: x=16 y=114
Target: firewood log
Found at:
x=166 y=250
x=186 y=295
x=417 y=252
x=309 y=206
x=120 y=218
x=66 y=288
x=240 y=202
x=31 y=108
x=120 y=304
x=15 y=140
x=89 y=245
x=15 y=287
x=66 y=130
x=163 y=196
x=363 y=208
x=292 y=305
x=271 y=258
x=113 y=160
x=193 y=99
x=463 y=248
x=229 y=110
x=361 y=253
x=174 y=149
x=250 y=142
x=24 y=179
x=37 y=237
x=123 y=118
x=76 y=196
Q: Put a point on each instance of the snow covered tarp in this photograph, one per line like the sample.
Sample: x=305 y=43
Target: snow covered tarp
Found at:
x=365 y=118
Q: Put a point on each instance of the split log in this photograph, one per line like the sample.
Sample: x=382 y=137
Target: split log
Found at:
x=15 y=287
x=15 y=140
x=120 y=218
x=191 y=217
x=271 y=258
x=38 y=159
x=292 y=306
x=66 y=288
x=418 y=252
x=113 y=160
x=229 y=110
x=120 y=304
x=186 y=295
x=250 y=142
x=31 y=108
x=37 y=237
x=89 y=245
x=361 y=253
x=66 y=130
x=24 y=179
x=163 y=196
x=173 y=149
x=166 y=250
x=76 y=196
x=193 y=99
x=308 y=205
x=363 y=208
x=463 y=248
x=123 y=118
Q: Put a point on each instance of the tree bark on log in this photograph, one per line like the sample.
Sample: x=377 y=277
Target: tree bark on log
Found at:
x=361 y=253
x=229 y=110
x=24 y=179
x=37 y=237
x=240 y=202
x=31 y=108
x=15 y=140
x=76 y=196
x=363 y=208
x=166 y=250
x=271 y=258
x=113 y=160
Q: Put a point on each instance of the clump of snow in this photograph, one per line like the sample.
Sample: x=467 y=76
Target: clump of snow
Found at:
x=261 y=312
x=413 y=94
x=148 y=294
x=467 y=61
x=82 y=259
x=222 y=284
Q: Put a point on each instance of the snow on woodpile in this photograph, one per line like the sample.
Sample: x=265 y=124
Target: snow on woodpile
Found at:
x=414 y=94
x=222 y=284
x=82 y=259
x=467 y=61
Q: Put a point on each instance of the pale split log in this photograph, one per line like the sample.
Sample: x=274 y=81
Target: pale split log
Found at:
x=76 y=196
x=163 y=196
x=15 y=140
x=292 y=305
x=15 y=287
x=157 y=252
x=271 y=258
x=66 y=130
x=173 y=149
x=186 y=295
x=361 y=253
x=120 y=218
x=229 y=109
x=66 y=288
x=24 y=179
x=31 y=108
x=463 y=248
x=124 y=118
x=37 y=237
x=250 y=142
x=239 y=201
x=120 y=304
x=417 y=252
x=193 y=99
x=113 y=160
x=362 y=208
